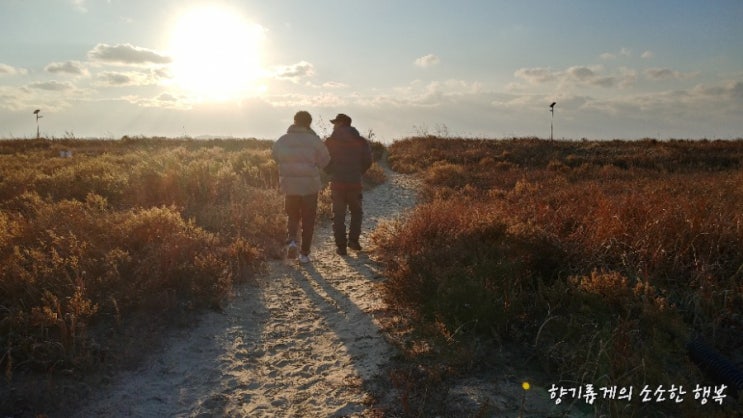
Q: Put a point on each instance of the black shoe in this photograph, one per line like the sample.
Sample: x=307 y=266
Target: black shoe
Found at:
x=341 y=251
x=354 y=245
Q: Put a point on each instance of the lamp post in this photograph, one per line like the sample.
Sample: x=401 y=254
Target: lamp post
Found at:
x=38 y=116
x=552 y=119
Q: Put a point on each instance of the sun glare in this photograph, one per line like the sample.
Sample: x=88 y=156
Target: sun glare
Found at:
x=216 y=54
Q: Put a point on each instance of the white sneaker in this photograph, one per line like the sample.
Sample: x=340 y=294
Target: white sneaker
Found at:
x=292 y=250
x=304 y=259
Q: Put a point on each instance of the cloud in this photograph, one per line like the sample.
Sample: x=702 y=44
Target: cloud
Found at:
x=11 y=99
x=79 y=5
x=427 y=61
x=51 y=85
x=166 y=97
x=295 y=72
x=577 y=75
x=68 y=67
x=735 y=90
x=414 y=95
x=627 y=77
x=130 y=78
x=515 y=102
x=9 y=70
x=676 y=107
x=593 y=77
x=732 y=90
x=535 y=75
x=293 y=100
x=667 y=74
x=127 y=54
x=163 y=100
x=624 y=52
x=111 y=78
x=647 y=55
x=580 y=73
x=432 y=95
x=589 y=76
x=334 y=85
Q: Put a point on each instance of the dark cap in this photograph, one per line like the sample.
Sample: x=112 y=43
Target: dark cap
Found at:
x=303 y=118
x=342 y=117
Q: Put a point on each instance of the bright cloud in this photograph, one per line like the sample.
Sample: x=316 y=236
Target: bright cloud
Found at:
x=120 y=79
x=52 y=85
x=292 y=100
x=161 y=101
x=79 y=5
x=67 y=67
x=127 y=54
x=295 y=72
x=427 y=61
x=334 y=85
x=578 y=75
x=535 y=75
x=623 y=52
x=10 y=70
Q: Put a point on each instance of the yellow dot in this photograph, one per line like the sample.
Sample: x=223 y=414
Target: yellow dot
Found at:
x=526 y=385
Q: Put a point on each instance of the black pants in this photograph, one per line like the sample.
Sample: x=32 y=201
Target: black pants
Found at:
x=342 y=200
x=301 y=208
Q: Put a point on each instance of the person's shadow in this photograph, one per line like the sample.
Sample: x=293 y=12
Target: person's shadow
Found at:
x=355 y=328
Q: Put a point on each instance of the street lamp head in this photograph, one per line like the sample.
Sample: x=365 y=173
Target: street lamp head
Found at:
x=553 y=104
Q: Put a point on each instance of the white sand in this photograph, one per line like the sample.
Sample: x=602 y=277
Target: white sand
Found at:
x=303 y=343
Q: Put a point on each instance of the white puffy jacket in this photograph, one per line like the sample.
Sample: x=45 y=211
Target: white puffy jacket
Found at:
x=300 y=154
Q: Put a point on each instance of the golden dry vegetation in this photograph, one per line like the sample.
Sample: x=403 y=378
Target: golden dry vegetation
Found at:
x=599 y=261
x=149 y=228
x=104 y=243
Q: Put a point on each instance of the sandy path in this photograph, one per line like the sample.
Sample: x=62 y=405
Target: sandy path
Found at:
x=302 y=343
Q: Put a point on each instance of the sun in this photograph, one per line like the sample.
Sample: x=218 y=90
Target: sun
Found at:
x=216 y=54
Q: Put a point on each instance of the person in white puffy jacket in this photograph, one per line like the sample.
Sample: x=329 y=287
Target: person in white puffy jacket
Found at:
x=300 y=155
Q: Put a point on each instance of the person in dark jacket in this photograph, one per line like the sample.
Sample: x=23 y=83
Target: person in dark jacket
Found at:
x=300 y=155
x=350 y=157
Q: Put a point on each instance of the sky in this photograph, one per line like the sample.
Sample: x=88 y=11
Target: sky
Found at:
x=484 y=69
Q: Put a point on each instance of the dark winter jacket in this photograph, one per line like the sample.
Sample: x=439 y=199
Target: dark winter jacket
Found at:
x=350 y=157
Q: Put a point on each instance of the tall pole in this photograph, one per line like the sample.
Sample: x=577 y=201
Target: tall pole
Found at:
x=552 y=120
x=38 y=116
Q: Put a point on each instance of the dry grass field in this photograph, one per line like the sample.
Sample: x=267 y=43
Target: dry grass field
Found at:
x=146 y=228
x=105 y=243
x=599 y=261
x=596 y=261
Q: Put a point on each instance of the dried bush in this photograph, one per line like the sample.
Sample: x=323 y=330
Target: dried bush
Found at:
x=374 y=176
x=601 y=258
x=460 y=264
x=124 y=228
